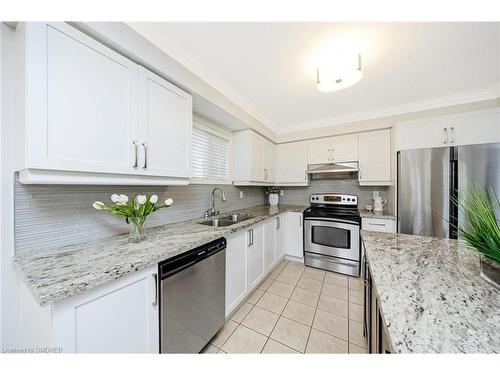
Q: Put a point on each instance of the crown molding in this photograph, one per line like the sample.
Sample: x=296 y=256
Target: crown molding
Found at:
x=176 y=52
x=492 y=92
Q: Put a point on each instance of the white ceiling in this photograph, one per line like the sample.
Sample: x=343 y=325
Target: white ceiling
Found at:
x=269 y=68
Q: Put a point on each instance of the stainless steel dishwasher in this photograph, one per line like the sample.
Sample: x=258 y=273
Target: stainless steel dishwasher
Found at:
x=193 y=298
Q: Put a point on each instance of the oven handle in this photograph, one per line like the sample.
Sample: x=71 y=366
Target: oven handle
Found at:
x=331 y=220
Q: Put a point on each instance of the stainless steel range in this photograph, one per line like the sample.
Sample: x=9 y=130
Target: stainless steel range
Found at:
x=331 y=233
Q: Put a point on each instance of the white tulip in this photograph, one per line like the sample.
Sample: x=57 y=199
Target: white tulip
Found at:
x=169 y=201
x=153 y=199
x=115 y=198
x=98 y=205
x=123 y=199
x=141 y=199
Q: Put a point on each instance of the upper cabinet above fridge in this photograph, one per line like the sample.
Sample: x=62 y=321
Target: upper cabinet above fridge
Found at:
x=92 y=116
x=461 y=129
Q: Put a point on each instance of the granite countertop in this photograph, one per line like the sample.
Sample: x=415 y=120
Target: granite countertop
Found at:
x=431 y=295
x=64 y=272
x=376 y=215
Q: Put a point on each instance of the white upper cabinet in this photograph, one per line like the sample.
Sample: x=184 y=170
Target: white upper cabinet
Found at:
x=90 y=114
x=343 y=148
x=291 y=164
x=269 y=161
x=375 y=157
x=319 y=151
x=254 y=159
x=164 y=111
x=475 y=128
x=453 y=130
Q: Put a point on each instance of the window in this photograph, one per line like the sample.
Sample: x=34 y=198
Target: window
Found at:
x=210 y=153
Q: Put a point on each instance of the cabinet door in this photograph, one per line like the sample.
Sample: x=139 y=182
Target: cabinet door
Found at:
x=292 y=163
x=165 y=118
x=118 y=317
x=255 y=255
x=345 y=148
x=475 y=128
x=319 y=151
x=270 y=243
x=269 y=161
x=294 y=238
x=81 y=101
x=427 y=133
x=236 y=270
x=280 y=236
x=257 y=157
x=375 y=157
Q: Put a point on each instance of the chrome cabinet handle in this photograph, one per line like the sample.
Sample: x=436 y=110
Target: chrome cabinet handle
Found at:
x=155 y=302
x=252 y=237
x=332 y=154
x=329 y=154
x=135 y=152
x=265 y=174
x=278 y=222
x=445 y=135
x=378 y=224
x=452 y=131
x=145 y=145
x=300 y=220
x=305 y=176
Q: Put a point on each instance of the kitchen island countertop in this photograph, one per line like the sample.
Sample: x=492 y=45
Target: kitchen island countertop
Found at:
x=431 y=295
x=64 y=272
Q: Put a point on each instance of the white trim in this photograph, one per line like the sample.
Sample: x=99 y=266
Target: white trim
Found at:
x=62 y=177
x=492 y=92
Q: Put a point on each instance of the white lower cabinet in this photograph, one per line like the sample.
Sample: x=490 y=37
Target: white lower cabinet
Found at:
x=236 y=269
x=280 y=236
x=118 y=317
x=378 y=225
x=251 y=255
x=294 y=235
x=270 y=237
x=255 y=255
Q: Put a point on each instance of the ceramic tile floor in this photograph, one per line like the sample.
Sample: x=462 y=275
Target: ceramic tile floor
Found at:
x=297 y=309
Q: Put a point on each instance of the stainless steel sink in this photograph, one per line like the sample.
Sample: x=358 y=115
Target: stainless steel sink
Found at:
x=216 y=223
x=226 y=221
x=238 y=217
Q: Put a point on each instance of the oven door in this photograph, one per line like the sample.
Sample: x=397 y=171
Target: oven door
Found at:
x=332 y=238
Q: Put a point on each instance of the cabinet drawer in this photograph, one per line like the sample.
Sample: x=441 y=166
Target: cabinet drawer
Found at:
x=378 y=225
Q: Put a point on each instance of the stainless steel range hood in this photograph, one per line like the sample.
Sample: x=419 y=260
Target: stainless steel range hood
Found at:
x=318 y=169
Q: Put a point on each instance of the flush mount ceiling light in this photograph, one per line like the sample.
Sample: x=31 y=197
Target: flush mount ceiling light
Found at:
x=341 y=72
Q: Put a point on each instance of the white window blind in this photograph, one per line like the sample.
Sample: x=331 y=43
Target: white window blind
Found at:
x=210 y=155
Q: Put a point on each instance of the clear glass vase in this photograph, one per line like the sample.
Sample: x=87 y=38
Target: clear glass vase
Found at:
x=490 y=271
x=137 y=231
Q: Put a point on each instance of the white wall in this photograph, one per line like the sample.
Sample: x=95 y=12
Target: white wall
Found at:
x=9 y=286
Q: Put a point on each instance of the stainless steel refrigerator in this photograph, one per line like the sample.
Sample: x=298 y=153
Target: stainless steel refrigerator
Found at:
x=428 y=179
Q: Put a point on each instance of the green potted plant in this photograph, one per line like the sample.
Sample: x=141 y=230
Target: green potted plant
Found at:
x=482 y=231
x=273 y=192
x=135 y=212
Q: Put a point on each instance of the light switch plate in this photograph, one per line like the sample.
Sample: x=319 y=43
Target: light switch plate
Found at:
x=282 y=192
x=241 y=194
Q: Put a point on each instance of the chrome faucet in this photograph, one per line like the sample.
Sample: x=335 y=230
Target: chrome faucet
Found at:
x=211 y=212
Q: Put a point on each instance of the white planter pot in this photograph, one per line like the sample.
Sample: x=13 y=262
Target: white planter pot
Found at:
x=274 y=199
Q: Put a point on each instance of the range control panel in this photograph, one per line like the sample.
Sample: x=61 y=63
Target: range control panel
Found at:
x=334 y=198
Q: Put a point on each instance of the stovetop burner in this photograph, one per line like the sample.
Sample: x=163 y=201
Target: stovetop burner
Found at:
x=334 y=206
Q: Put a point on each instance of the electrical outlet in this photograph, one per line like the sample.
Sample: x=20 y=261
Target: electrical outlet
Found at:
x=282 y=192
x=241 y=194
